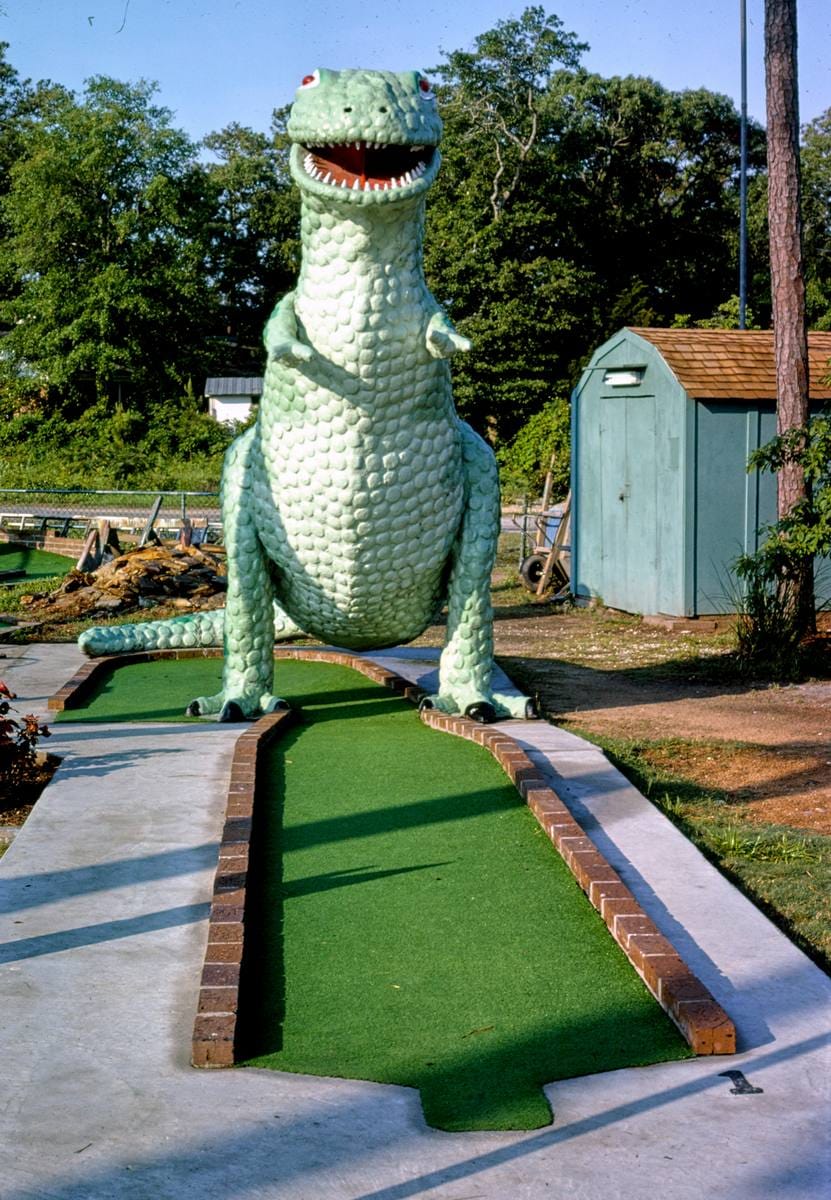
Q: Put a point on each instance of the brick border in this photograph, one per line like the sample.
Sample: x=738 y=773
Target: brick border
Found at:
x=214 y=1028
x=701 y=1020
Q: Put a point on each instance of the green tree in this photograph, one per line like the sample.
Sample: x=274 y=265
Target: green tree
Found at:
x=569 y=205
x=816 y=219
x=491 y=245
x=650 y=180
x=496 y=93
x=15 y=95
x=107 y=208
x=254 y=250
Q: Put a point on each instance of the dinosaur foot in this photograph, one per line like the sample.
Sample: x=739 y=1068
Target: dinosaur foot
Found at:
x=496 y=706
x=235 y=708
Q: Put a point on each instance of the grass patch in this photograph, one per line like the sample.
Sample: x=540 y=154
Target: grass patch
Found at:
x=413 y=924
x=787 y=874
x=35 y=564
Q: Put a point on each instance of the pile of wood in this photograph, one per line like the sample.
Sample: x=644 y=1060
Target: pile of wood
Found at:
x=178 y=576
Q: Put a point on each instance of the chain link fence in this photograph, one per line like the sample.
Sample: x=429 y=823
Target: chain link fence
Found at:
x=72 y=512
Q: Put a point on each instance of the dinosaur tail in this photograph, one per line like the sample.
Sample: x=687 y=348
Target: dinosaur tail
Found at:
x=194 y=629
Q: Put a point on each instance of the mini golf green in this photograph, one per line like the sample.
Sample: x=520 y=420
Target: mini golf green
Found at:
x=33 y=564
x=411 y=923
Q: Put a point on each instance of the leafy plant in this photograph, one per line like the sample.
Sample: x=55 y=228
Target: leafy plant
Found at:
x=768 y=635
x=19 y=736
x=782 y=847
x=525 y=460
x=771 y=629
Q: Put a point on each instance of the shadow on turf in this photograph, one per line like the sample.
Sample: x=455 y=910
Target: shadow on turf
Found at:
x=455 y=806
x=337 y=879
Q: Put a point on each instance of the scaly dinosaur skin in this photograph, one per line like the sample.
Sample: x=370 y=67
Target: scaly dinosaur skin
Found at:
x=358 y=502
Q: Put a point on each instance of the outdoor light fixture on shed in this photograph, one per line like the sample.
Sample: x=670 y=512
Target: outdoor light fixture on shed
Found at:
x=623 y=377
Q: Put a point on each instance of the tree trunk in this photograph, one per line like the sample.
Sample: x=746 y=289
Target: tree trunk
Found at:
x=787 y=280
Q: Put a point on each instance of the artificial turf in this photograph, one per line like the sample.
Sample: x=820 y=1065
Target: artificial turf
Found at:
x=33 y=564
x=159 y=690
x=411 y=923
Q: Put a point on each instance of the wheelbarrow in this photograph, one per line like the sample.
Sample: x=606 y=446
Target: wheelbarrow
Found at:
x=549 y=563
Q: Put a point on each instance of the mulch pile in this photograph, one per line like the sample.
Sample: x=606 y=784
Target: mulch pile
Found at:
x=186 y=577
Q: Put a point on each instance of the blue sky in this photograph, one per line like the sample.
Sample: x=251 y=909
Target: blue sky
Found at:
x=218 y=61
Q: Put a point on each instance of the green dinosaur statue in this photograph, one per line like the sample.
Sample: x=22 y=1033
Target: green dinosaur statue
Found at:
x=358 y=502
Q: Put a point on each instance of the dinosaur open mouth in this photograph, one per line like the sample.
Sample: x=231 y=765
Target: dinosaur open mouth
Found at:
x=367 y=166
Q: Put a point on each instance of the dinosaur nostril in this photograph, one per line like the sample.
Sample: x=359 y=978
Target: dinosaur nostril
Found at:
x=347 y=110
x=382 y=110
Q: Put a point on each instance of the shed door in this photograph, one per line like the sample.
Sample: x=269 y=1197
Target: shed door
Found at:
x=628 y=503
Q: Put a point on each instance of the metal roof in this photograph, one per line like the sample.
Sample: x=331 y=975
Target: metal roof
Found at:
x=248 y=386
x=734 y=364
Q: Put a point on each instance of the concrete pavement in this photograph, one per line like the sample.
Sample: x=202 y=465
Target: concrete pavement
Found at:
x=103 y=908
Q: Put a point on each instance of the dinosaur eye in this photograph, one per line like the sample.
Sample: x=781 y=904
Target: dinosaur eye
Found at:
x=427 y=92
x=309 y=81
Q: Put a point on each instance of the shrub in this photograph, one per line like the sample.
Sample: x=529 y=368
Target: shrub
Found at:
x=19 y=736
x=771 y=629
x=525 y=460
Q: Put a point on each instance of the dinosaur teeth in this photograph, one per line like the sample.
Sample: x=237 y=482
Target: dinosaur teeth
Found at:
x=356 y=185
x=417 y=147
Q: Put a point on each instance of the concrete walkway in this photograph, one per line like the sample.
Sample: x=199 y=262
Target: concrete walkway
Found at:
x=103 y=907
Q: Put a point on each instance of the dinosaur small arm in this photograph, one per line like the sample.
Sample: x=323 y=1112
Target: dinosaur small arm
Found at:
x=358 y=503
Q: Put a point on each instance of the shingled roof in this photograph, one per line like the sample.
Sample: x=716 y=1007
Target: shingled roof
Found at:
x=734 y=364
x=221 y=385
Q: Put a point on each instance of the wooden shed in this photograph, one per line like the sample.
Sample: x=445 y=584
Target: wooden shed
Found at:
x=231 y=399
x=663 y=421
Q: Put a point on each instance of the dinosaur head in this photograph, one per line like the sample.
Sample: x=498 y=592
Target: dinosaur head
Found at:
x=364 y=137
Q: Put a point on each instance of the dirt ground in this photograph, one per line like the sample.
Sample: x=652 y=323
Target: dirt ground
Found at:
x=768 y=747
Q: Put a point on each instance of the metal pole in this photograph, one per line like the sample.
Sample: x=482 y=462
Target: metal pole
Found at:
x=743 y=172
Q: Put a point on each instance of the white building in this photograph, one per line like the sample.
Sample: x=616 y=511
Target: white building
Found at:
x=232 y=399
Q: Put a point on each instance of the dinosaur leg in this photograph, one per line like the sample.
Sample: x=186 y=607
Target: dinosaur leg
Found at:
x=467 y=659
x=249 y=612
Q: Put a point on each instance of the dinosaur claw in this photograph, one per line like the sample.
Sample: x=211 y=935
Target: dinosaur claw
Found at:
x=193 y=709
x=424 y=703
x=482 y=711
x=231 y=712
